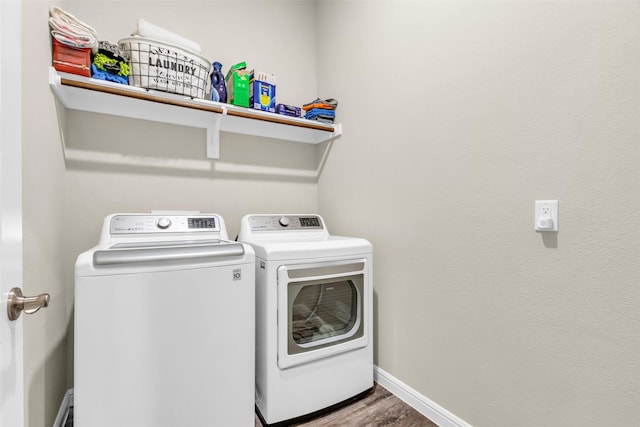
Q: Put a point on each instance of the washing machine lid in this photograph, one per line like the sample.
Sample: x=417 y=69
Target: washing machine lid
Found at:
x=134 y=243
x=180 y=250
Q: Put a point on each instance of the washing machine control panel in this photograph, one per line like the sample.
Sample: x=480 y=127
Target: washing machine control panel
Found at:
x=285 y=222
x=133 y=224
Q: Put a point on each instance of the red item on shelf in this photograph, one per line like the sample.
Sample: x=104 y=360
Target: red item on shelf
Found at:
x=70 y=59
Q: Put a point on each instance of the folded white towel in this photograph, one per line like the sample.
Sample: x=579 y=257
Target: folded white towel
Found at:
x=69 y=30
x=149 y=30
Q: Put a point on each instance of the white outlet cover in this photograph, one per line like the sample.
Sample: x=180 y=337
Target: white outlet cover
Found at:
x=545 y=209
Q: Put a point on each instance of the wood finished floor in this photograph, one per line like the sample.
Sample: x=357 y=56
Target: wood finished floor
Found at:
x=380 y=408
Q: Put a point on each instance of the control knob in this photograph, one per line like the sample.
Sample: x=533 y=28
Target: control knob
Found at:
x=163 y=223
x=284 y=221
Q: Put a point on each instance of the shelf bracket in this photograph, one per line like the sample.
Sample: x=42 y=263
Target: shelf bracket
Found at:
x=213 y=135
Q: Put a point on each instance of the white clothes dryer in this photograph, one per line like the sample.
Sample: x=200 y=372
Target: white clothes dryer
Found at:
x=314 y=315
x=164 y=325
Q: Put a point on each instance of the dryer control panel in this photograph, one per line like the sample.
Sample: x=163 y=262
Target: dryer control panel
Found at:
x=285 y=222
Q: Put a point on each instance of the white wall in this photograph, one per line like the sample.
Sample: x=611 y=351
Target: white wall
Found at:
x=457 y=116
x=67 y=193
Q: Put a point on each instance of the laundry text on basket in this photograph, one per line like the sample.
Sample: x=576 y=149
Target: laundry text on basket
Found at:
x=170 y=65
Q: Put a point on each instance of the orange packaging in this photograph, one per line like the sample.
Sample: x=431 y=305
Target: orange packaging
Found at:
x=70 y=59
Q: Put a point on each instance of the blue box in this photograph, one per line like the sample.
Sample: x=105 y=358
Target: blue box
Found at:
x=262 y=89
x=288 y=110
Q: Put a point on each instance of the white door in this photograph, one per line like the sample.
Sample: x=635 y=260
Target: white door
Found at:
x=11 y=377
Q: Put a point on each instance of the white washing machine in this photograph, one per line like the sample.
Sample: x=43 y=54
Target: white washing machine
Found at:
x=164 y=325
x=314 y=295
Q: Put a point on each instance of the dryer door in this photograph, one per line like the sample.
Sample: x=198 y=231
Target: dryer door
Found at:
x=321 y=310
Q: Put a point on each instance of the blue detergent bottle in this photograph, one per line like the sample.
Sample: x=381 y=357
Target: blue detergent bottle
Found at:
x=218 y=87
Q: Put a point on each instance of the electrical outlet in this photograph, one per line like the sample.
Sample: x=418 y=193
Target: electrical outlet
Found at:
x=546 y=215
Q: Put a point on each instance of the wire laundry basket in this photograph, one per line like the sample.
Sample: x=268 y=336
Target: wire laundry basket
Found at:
x=166 y=67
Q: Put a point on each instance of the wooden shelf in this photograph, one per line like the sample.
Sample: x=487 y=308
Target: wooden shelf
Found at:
x=85 y=94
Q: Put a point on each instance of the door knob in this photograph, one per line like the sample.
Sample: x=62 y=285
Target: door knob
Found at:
x=17 y=303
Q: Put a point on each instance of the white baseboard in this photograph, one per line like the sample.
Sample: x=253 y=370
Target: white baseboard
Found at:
x=426 y=407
